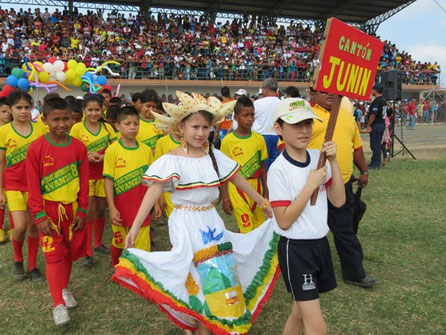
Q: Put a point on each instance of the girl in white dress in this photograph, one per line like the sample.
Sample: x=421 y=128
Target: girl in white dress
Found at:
x=212 y=280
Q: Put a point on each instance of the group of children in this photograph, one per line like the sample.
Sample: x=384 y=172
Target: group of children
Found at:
x=79 y=159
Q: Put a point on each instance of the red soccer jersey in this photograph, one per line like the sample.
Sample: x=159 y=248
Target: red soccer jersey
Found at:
x=57 y=172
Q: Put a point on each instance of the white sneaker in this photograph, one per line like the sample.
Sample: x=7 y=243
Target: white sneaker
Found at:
x=60 y=315
x=70 y=302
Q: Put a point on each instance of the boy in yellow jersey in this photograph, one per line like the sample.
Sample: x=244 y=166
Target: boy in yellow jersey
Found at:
x=163 y=146
x=15 y=138
x=247 y=148
x=125 y=162
x=5 y=117
x=148 y=133
x=57 y=173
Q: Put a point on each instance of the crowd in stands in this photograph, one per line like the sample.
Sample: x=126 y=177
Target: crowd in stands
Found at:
x=166 y=46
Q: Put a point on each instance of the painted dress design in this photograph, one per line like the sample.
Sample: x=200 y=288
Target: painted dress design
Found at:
x=212 y=275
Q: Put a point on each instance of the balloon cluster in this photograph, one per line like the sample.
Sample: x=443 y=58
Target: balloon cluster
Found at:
x=56 y=73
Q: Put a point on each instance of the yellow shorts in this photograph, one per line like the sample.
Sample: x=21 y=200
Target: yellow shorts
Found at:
x=97 y=188
x=120 y=234
x=17 y=200
x=248 y=215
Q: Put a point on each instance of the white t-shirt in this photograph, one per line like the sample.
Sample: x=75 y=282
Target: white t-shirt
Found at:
x=286 y=179
x=264 y=115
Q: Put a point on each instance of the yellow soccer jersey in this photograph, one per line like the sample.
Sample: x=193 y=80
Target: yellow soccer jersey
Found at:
x=164 y=145
x=249 y=152
x=43 y=127
x=148 y=133
x=15 y=146
x=94 y=142
x=126 y=166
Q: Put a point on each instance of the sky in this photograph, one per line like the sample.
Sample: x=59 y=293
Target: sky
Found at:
x=420 y=30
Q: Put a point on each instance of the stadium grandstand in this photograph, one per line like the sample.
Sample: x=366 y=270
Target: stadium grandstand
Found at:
x=213 y=41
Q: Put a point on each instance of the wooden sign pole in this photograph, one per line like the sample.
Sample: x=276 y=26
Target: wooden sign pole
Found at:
x=328 y=137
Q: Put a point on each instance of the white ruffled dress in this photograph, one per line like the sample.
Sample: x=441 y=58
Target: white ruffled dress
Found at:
x=212 y=275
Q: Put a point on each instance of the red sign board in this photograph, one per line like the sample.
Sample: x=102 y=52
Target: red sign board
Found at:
x=348 y=61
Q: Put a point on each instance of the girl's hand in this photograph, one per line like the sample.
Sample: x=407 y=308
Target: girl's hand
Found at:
x=268 y=211
x=157 y=211
x=131 y=238
x=115 y=217
x=227 y=206
x=329 y=149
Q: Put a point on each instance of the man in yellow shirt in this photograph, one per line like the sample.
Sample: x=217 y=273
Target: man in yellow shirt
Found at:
x=340 y=220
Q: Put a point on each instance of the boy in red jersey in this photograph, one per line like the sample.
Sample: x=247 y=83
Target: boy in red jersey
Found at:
x=57 y=172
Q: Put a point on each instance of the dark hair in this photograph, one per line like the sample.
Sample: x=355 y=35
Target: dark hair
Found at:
x=116 y=101
x=149 y=95
x=208 y=116
x=53 y=104
x=15 y=96
x=125 y=111
x=136 y=97
x=225 y=91
x=50 y=96
x=241 y=103
x=93 y=98
x=159 y=106
x=112 y=112
x=280 y=122
x=70 y=99
x=292 y=91
x=106 y=90
x=75 y=107
x=3 y=101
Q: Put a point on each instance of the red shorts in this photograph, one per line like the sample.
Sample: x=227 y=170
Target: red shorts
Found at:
x=64 y=240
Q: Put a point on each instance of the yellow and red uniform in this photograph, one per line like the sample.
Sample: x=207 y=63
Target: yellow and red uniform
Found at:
x=57 y=177
x=14 y=181
x=163 y=146
x=346 y=136
x=43 y=127
x=125 y=167
x=95 y=143
x=148 y=133
x=250 y=152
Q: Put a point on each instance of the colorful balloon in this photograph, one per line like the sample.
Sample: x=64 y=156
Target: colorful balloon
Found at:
x=58 y=66
x=23 y=84
x=80 y=69
x=6 y=90
x=72 y=64
x=12 y=81
x=52 y=60
x=48 y=67
x=18 y=73
x=60 y=76
x=70 y=74
x=102 y=80
x=77 y=81
x=44 y=77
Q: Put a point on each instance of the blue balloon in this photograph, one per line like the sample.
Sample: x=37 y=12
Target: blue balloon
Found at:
x=23 y=84
x=89 y=75
x=102 y=80
x=12 y=81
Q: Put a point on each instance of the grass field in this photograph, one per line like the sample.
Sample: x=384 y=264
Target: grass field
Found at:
x=404 y=241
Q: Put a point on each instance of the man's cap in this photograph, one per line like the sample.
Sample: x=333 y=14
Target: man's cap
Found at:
x=241 y=92
x=294 y=110
x=378 y=87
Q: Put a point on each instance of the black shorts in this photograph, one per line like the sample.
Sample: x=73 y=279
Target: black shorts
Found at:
x=306 y=267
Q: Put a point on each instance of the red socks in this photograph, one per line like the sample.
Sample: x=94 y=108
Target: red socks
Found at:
x=89 y=233
x=33 y=247
x=99 y=225
x=2 y=217
x=58 y=276
x=115 y=254
x=55 y=276
x=18 y=250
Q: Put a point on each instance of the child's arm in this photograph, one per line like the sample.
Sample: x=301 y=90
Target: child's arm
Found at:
x=263 y=179
x=227 y=206
x=2 y=172
x=336 y=191
x=35 y=201
x=82 y=195
x=242 y=184
x=150 y=198
x=115 y=216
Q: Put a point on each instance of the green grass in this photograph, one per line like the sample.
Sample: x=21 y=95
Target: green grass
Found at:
x=402 y=234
